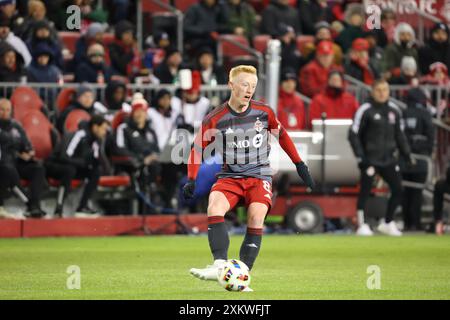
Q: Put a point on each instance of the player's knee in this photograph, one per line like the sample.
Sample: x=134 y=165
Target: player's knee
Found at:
x=256 y=220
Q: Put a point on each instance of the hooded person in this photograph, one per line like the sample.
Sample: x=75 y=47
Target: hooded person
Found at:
x=11 y=64
x=291 y=110
x=436 y=49
x=438 y=76
x=95 y=69
x=41 y=68
x=167 y=71
x=116 y=96
x=123 y=52
x=403 y=45
x=358 y=65
x=290 y=55
x=408 y=73
x=93 y=34
x=419 y=132
x=42 y=34
x=334 y=101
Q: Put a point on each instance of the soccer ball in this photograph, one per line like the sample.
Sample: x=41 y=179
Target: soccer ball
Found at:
x=234 y=275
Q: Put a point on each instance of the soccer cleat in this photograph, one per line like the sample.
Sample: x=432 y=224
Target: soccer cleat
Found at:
x=210 y=273
x=389 y=229
x=247 y=289
x=86 y=212
x=35 y=212
x=439 y=228
x=364 y=230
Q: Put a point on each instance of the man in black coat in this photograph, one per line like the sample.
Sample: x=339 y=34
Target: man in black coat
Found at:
x=437 y=48
x=78 y=156
x=420 y=134
x=94 y=69
x=278 y=12
x=17 y=162
x=376 y=136
x=311 y=12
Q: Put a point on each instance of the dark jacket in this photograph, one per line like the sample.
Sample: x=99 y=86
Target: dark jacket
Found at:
x=346 y=37
x=39 y=73
x=34 y=42
x=79 y=148
x=200 y=20
x=89 y=72
x=377 y=134
x=134 y=142
x=355 y=71
x=162 y=72
x=111 y=88
x=277 y=14
x=13 y=140
x=419 y=129
x=432 y=52
x=311 y=12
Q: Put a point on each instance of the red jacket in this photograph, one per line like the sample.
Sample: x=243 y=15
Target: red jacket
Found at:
x=342 y=106
x=313 y=78
x=291 y=111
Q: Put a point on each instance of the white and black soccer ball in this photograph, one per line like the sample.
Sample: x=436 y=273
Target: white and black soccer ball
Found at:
x=234 y=276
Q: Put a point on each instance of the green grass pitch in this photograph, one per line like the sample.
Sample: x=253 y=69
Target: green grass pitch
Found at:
x=289 y=267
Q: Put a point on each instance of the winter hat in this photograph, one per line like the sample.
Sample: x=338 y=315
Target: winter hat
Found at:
x=409 y=64
x=321 y=25
x=138 y=102
x=122 y=27
x=284 y=29
x=440 y=26
x=416 y=98
x=42 y=48
x=196 y=82
x=352 y=9
x=82 y=89
x=288 y=74
x=325 y=47
x=434 y=67
x=404 y=27
x=94 y=28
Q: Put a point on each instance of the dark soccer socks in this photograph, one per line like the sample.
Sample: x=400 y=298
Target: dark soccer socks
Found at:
x=251 y=245
x=218 y=237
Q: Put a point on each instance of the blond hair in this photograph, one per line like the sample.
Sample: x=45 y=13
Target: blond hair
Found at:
x=242 y=69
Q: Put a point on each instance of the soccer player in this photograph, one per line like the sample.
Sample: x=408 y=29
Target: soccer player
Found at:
x=239 y=131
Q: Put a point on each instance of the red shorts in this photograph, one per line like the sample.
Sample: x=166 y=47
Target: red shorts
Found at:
x=249 y=189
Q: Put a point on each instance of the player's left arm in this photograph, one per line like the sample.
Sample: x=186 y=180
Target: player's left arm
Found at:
x=286 y=143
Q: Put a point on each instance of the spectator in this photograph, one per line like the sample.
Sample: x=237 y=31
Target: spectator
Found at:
x=78 y=156
x=241 y=18
x=375 y=136
x=116 y=95
x=311 y=12
x=84 y=100
x=211 y=73
x=41 y=34
x=17 y=162
x=36 y=13
x=125 y=58
x=441 y=188
x=420 y=134
x=137 y=142
x=167 y=71
x=291 y=111
x=156 y=51
x=359 y=65
x=403 y=45
x=436 y=49
x=94 y=70
x=93 y=34
x=354 y=21
x=385 y=34
x=334 y=101
x=163 y=117
x=7 y=36
x=203 y=22
x=9 y=9
x=192 y=105
x=323 y=32
x=438 y=76
x=408 y=73
x=313 y=76
x=11 y=64
x=41 y=68
x=280 y=12
x=375 y=52
x=290 y=55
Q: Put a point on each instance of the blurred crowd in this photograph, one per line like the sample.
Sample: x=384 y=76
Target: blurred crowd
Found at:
x=31 y=50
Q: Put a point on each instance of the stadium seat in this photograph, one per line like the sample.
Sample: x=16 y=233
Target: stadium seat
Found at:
x=64 y=98
x=302 y=41
x=260 y=42
x=151 y=7
x=229 y=49
x=118 y=119
x=74 y=118
x=184 y=5
x=39 y=131
x=23 y=100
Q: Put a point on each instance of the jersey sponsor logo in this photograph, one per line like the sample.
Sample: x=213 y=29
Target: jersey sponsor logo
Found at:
x=391 y=117
x=239 y=144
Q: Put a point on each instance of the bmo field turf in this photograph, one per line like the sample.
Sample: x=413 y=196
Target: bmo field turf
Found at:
x=289 y=267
